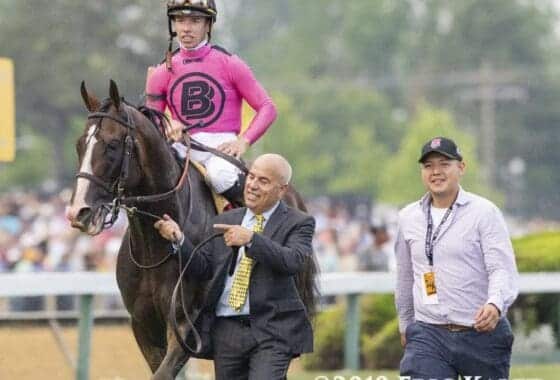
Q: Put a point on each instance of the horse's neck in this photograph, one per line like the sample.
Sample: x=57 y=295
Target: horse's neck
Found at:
x=160 y=174
x=199 y=207
x=160 y=170
x=191 y=206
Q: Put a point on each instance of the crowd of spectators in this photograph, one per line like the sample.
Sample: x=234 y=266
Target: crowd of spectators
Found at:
x=350 y=236
x=35 y=236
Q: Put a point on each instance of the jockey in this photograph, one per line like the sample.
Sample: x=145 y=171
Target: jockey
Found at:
x=204 y=85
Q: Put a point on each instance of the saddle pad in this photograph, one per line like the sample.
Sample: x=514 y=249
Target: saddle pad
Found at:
x=220 y=202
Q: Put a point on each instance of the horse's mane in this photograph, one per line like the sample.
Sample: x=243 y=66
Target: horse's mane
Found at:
x=308 y=288
x=159 y=120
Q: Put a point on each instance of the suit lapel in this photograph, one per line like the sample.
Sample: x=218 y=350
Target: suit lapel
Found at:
x=223 y=259
x=233 y=217
x=276 y=220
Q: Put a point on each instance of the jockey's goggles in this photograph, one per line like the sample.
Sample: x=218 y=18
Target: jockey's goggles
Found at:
x=192 y=7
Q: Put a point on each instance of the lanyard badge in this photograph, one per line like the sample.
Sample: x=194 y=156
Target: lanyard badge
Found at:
x=429 y=290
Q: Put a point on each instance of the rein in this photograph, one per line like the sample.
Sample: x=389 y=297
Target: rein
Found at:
x=129 y=144
x=179 y=288
x=119 y=201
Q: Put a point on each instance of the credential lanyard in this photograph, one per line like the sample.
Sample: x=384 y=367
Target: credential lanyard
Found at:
x=431 y=240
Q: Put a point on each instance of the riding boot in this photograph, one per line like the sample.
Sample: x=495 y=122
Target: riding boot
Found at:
x=235 y=193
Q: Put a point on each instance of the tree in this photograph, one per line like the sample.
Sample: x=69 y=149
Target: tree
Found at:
x=462 y=35
x=400 y=179
x=356 y=130
x=56 y=47
x=294 y=137
x=343 y=71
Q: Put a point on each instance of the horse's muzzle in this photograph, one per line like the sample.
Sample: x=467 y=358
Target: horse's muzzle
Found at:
x=87 y=220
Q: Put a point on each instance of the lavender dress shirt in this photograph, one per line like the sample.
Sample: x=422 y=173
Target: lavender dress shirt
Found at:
x=474 y=262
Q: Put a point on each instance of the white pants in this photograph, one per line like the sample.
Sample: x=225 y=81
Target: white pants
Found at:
x=222 y=174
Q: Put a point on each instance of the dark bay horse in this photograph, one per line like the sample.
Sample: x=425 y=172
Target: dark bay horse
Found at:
x=126 y=162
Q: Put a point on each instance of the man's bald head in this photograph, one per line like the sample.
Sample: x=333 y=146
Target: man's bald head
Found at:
x=278 y=165
x=267 y=182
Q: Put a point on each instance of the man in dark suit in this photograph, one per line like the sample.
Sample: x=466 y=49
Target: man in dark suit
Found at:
x=254 y=316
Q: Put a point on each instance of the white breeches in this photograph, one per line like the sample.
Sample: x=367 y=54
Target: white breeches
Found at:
x=222 y=174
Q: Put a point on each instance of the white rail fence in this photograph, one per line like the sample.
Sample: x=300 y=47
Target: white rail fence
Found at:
x=86 y=285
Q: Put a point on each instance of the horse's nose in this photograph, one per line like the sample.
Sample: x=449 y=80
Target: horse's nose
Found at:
x=69 y=213
x=78 y=216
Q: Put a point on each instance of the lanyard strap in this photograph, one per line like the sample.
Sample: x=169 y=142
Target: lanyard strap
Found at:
x=431 y=240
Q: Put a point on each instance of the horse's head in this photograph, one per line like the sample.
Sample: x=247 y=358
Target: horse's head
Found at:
x=106 y=168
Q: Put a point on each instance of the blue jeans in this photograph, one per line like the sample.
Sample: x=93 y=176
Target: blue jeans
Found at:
x=434 y=352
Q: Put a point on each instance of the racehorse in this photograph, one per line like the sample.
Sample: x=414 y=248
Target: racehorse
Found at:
x=126 y=162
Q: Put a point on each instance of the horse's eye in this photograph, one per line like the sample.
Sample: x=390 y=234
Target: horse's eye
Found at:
x=112 y=150
x=113 y=145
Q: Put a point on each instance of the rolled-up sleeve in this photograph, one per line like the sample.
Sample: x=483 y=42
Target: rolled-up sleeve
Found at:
x=499 y=260
x=404 y=300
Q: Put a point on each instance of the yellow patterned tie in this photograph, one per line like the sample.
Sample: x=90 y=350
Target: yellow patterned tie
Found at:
x=238 y=292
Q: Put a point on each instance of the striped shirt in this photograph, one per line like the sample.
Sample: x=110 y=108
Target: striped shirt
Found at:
x=473 y=258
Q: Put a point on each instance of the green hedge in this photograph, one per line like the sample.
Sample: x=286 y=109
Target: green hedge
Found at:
x=376 y=311
x=383 y=350
x=328 y=353
x=538 y=252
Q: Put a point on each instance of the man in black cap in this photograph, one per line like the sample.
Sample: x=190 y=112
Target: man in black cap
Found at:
x=456 y=276
x=443 y=146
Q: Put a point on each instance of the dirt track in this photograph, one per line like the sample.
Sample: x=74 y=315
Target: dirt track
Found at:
x=31 y=353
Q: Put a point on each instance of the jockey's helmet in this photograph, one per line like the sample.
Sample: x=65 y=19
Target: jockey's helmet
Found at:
x=204 y=8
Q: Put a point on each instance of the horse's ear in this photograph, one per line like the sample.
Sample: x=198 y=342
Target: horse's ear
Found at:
x=114 y=94
x=91 y=102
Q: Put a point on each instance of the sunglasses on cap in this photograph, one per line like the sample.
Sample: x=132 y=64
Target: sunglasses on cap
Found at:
x=194 y=3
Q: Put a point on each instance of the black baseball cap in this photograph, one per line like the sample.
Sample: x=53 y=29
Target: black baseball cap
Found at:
x=441 y=145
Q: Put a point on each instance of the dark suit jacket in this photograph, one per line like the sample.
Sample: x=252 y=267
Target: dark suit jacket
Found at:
x=280 y=252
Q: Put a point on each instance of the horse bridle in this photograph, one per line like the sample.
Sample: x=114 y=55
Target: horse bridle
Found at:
x=117 y=187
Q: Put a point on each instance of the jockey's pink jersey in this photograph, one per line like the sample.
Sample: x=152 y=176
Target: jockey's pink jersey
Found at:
x=208 y=86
